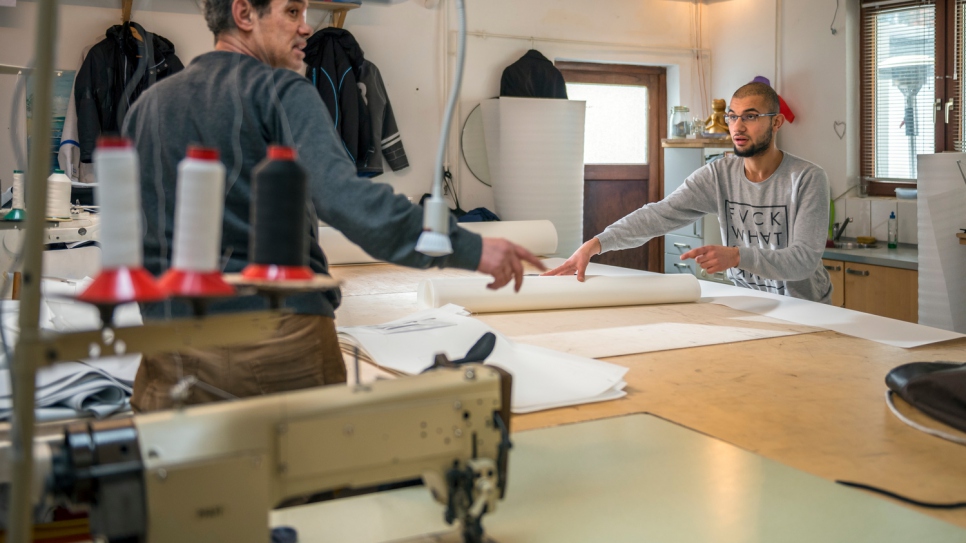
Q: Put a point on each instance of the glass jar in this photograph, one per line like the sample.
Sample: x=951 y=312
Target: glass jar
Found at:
x=679 y=123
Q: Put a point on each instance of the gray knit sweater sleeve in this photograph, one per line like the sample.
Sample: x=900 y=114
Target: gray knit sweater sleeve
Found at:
x=692 y=200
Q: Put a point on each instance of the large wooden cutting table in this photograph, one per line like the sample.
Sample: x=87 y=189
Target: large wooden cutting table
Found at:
x=812 y=401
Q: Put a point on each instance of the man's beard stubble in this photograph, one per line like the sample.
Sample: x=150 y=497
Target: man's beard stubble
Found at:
x=758 y=148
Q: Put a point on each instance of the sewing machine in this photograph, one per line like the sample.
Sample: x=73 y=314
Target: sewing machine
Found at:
x=213 y=472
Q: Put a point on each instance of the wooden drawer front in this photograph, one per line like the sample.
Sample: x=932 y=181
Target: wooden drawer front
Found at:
x=889 y=292
x=836 y=270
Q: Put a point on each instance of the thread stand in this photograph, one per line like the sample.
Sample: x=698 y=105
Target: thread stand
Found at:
x=277 y=291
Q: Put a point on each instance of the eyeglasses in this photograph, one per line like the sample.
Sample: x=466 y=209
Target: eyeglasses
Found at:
x=747 y=117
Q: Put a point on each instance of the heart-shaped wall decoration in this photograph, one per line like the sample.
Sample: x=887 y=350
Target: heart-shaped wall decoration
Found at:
x=839 y=129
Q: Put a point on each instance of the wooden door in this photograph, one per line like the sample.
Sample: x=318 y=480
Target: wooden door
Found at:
x=836 y=271
x=611 y=191
x=888 y=292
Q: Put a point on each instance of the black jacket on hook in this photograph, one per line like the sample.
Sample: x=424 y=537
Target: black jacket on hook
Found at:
x=111 y=66
x=533 y=76
x=334 y=63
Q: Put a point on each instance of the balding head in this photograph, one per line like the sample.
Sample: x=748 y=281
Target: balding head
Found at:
x=762 y=90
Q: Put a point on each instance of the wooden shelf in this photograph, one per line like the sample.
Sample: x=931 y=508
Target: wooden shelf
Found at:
x=696 y=142
x=13 y=70
x=338 y=9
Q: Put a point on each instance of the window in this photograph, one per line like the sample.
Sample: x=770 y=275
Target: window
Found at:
x=615 y=123
x=912 y=55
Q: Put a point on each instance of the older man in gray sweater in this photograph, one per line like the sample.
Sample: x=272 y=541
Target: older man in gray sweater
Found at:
x=773 y=208
x=240 y=98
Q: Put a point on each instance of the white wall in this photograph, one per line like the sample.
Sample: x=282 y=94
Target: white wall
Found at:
x=816 y=74
x=649 y=32
x=408 y=43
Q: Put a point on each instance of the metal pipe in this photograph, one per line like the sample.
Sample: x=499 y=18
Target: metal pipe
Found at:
x=685 y=50
x=29 y=348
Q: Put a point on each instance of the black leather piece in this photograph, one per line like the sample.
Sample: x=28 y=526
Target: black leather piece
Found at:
x=935 y=388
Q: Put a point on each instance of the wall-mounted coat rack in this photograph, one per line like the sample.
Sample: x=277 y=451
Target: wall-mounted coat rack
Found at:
x=126 y=6
x=338 y=9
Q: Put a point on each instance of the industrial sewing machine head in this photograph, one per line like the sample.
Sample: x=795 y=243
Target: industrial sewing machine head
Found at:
x=213 y=472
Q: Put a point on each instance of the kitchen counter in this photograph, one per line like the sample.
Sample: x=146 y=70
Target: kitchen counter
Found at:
x=906 y=256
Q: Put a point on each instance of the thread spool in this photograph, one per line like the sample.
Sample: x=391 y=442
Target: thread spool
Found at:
x=17 y=202
x=118 y=194
x=199 y=208
x=58 y=196
x=17 y=205
x=279 y=245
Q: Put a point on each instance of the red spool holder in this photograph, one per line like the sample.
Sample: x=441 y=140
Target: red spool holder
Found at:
x=192 y=284
x=271 y=272
x=123 y=285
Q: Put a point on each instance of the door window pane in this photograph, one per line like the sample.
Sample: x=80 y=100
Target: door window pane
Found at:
x=615 y=130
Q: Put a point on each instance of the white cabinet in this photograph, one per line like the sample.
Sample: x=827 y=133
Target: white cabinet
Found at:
x=681 y=159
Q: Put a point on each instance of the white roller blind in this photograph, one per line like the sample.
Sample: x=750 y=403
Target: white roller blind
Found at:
x=898 y=87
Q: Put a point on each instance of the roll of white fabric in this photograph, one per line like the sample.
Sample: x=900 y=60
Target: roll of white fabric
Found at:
x=339 y=250
x=199 y=209
x=541 y=293
x=118 y=194
x=58 y=196
x=538 y=237
x=17 y=198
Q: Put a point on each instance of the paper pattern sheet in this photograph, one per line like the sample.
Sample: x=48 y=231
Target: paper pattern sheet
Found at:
x=541 y=293
x=542 y=378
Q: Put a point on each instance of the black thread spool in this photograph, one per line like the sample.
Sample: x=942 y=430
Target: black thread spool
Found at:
x=279 y=244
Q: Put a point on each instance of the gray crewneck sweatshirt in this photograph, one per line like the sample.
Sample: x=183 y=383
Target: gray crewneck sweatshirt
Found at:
x=779 y=225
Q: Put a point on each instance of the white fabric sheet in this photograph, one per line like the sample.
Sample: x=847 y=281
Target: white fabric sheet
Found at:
x=542 y=378
x=542 y=293
x=645 y=338
x=535 y=150
x=97 y=387
x=844 y=321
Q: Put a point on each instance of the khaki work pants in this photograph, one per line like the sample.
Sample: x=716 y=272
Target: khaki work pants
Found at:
x=303 y=353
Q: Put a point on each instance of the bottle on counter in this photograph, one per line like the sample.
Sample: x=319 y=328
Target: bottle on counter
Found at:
x=893 y=231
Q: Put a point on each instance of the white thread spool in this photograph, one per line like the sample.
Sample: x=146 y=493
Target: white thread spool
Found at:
x=118 y=193
x=17 y=202
x=58 y=195
x=199 y=207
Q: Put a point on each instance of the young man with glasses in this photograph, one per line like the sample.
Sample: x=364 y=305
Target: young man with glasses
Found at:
x=773 y=208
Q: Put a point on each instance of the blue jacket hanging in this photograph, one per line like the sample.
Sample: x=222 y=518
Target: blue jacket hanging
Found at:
x=334 y=63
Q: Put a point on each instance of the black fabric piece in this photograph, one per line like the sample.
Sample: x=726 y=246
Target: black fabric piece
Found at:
x=109 y=68
x=284 y=534
x=938 y=389
x=533 y=76
x=281 y=235
x=334 y=63
x=930 y=505
x=480 y=214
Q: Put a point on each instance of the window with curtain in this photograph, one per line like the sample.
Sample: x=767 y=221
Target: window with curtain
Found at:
x=912 y=59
